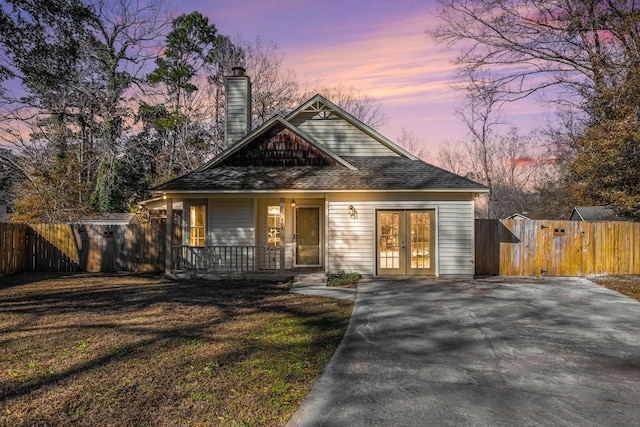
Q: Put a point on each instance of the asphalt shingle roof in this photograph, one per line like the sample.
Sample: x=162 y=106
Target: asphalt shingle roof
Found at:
x=373 y=173
x=598 y=213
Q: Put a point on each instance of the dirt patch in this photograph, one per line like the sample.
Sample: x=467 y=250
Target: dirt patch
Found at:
x=627 y=285
x=142 y=350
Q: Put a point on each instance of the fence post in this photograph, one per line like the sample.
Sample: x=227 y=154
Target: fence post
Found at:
x=168 y=237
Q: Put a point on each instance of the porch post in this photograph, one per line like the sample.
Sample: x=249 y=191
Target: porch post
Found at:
x=283 y=244
x=168 y=238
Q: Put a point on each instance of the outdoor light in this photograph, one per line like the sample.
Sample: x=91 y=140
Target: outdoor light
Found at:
x=293 y=203
x=352 y=212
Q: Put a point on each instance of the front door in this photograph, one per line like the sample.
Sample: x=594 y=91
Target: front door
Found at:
x=307 y=236
x=406 y=242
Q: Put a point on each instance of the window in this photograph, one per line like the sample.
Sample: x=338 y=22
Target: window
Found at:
x=273 y=226
x=197 y=225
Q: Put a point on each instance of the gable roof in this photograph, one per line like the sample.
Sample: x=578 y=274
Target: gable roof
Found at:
x=268 y=129
x=595 y=213
x=279 y=156
x=520 y=216
x=320 y=104
x=113 y=218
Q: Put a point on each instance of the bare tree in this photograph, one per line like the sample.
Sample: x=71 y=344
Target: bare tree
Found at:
x=412 y=143
x=585 y=46
x=505 y=162
x=588 y=52
x=125 y=40
x=482 y=115
x=275 y=90
x=355 y=102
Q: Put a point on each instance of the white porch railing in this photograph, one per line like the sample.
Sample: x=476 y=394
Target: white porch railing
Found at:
x=225 y=258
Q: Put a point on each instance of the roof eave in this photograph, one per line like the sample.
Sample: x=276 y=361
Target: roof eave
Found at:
x=294 y=190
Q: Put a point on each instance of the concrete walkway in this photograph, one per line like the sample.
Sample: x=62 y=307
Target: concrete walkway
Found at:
x=499 y=352
x=316 y=284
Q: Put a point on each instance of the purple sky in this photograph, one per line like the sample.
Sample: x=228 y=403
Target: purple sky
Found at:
x=377 y=46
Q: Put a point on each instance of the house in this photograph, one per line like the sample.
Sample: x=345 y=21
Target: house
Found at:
x=524 y=216
x=319 y=190
x=595 y=213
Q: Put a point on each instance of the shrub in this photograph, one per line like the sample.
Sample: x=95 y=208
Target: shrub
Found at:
x=343 y=279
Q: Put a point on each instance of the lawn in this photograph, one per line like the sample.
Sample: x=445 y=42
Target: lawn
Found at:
x=144 y=351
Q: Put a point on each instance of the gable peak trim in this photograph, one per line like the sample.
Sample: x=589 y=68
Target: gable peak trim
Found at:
x=324 y=105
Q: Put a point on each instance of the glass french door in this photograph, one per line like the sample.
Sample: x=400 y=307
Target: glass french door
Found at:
x=406 y=242
x=307 y=236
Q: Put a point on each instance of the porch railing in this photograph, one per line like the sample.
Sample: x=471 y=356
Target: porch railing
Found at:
x=225 y=258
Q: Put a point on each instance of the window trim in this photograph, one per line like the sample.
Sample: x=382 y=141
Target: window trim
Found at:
x=202 y=240
x=275 y=227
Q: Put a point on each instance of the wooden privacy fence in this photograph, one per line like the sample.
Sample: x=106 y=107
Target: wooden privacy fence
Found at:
x=73 y=247
x=556 y=248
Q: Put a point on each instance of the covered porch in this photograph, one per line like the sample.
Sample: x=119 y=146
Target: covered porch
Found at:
x=239 y=234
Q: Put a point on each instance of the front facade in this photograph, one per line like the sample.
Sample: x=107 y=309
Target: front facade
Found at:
x=320 y=190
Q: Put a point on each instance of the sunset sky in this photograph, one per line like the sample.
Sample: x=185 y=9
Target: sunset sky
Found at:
x=379 y=47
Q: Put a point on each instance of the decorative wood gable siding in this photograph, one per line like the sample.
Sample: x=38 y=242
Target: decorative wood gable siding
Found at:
x=279 y=147
x=337 y=134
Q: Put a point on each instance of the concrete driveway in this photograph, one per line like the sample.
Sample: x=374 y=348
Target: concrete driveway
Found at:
x=495 y=352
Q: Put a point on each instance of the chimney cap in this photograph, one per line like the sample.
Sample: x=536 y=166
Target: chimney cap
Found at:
x=238 y=71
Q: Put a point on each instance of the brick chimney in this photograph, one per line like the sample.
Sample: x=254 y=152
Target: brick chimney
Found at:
x=237 y=106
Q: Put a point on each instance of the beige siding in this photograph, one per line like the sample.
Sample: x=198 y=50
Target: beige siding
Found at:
x=351 y=242
x=238 y=107
x=455 y=239
x=341 y=137
x=230 y=222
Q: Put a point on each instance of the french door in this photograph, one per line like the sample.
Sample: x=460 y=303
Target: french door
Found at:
x=405 y=242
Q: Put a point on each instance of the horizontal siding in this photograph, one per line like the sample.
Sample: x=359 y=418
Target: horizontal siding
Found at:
x=341 y=137
x=231 y=222
x=238 y=119
x=351 y=242
x=455 y=239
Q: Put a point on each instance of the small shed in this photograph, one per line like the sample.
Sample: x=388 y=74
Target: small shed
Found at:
x=106 y=240
x=114 y=218
x=520 y=216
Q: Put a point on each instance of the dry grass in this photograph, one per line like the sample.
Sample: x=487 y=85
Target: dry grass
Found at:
x=627 y=285
x=136 y=351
